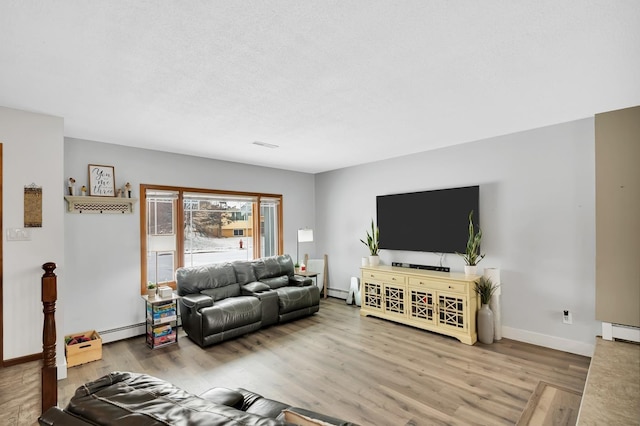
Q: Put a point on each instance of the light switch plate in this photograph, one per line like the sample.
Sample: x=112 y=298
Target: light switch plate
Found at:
x=18 y=234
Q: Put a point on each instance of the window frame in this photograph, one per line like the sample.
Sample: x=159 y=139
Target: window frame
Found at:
x=179 y=219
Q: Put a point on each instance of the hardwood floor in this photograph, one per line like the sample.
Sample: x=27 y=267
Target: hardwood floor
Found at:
x=366 y=370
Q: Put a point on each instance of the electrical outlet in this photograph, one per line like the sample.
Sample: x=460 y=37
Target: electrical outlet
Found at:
x=18 y=234
x=566 y=317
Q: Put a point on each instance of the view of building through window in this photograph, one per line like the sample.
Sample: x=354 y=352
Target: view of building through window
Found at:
x=215 y=228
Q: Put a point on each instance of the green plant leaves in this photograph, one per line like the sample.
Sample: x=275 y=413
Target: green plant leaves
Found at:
x=472 y=254
x=373 y=240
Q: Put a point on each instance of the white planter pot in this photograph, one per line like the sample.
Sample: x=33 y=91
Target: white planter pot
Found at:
x=374 y=260
x=470 y=270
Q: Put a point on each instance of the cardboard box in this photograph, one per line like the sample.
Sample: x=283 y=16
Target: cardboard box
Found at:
x=81 y=353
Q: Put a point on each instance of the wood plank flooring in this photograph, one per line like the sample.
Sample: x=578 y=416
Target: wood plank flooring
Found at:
x=366 y=370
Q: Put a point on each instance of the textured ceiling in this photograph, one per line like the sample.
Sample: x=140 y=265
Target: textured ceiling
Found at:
x=333 y=83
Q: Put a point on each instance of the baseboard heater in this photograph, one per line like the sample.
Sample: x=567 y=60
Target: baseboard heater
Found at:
x=612 y=331
x=337 y=290
x=121 y=333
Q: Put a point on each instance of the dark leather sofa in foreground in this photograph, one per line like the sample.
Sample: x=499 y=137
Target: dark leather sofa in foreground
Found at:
x=223 y=301
x=130 y=399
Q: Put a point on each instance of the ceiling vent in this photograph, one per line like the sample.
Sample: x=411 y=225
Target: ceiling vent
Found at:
x=266 y=145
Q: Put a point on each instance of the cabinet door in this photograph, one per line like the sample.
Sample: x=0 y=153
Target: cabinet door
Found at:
x=394 y=300
x=423 y=304
x=452 y=311
x=372 y=295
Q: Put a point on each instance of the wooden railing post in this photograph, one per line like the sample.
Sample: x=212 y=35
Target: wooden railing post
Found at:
x=49 y=368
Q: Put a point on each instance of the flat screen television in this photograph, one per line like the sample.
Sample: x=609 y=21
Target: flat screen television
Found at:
x=431 y=221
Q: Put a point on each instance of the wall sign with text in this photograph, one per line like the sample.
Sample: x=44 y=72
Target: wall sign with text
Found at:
x=102 y=181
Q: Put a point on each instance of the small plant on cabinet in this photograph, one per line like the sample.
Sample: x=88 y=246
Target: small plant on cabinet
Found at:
x=472 y=254
x=373 y=240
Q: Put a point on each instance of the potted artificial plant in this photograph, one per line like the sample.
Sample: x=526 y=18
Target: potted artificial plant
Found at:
x=151 y=289
x=373 y=240
x=485 y=289
x=472 y=254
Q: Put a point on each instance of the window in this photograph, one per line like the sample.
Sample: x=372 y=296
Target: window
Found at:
x=188 y=227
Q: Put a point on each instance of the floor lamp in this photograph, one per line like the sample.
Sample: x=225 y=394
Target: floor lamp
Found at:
x=304 y=236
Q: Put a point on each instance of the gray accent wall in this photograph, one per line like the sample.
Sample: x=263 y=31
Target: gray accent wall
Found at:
x=103 y=271
x=537 y=204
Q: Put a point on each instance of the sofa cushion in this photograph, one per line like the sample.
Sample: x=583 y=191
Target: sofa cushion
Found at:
x=224 y=396
x=230 y=313
x=273 y=266
x=244 y=272
x=194 y=279
x=220 y=293
x=294 y=298
x=276 y=282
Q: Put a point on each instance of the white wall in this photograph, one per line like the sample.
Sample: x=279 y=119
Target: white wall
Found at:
x=537 y=212
x=32 y=153
x=103 y=271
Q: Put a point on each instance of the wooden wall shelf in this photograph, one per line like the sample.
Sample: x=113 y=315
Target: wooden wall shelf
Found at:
x=100 y=205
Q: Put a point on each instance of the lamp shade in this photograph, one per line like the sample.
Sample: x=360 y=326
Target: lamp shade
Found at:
x=305 y=235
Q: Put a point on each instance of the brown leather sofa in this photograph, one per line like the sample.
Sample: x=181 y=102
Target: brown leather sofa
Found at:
x=131 y=399
x=222 y=301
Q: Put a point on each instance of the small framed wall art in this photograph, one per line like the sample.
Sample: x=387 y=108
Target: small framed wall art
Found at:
x=102 y=181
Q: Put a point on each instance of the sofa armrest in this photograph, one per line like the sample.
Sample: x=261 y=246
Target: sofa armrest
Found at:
x=196 y=301
x=254 y=287
x=300 y=281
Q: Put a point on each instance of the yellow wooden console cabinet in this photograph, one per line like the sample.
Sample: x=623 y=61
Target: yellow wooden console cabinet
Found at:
x=441 y=302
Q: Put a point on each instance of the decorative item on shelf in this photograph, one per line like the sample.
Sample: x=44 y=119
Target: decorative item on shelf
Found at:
x=494 y=275
x=373 y=243
x=127 y=187
x=485 y=289
x=72 y=186
x=83 y=190
x=304 y=236
x=102 y=181
x=472 y=254
x=151 y=289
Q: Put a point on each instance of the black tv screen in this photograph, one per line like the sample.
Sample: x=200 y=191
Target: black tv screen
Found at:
x=431 y=221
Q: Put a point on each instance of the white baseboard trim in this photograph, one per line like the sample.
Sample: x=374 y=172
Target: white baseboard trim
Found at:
x=552 y=342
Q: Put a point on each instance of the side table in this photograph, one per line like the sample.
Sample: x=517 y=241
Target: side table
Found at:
x=314 y=275
x=162 y=320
